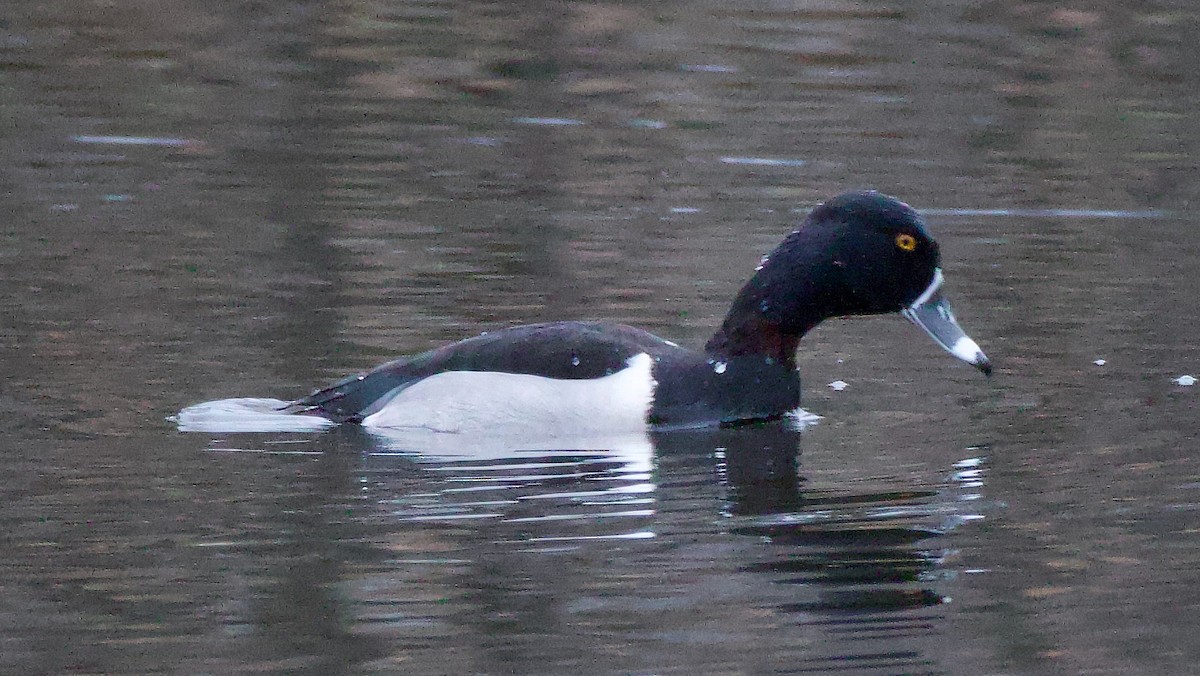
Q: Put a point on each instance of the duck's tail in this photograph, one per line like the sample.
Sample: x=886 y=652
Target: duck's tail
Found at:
x=248 y=414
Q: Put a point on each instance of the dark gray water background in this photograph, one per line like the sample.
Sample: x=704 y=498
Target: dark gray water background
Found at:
x=205 y=200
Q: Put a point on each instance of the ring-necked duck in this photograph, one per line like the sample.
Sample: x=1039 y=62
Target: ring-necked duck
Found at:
x=858 y=253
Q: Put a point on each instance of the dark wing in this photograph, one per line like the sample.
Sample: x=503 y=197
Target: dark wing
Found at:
x=567 y=350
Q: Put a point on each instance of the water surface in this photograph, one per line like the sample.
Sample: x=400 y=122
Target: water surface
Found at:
x=250 y=200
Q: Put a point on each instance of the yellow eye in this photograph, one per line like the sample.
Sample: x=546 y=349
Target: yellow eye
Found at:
x=906 y=242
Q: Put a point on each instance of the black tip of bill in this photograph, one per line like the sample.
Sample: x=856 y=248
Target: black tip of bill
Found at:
x=984 y=365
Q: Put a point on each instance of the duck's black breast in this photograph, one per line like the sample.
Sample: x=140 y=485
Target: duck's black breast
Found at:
x=694 y=390
x=691 y=389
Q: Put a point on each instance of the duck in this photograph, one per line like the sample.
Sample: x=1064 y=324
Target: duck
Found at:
x=858 y=253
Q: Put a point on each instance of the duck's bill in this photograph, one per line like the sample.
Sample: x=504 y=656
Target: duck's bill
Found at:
x=931 y=312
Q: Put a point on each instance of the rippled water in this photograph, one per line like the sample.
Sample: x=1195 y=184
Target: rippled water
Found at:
x=253 y=200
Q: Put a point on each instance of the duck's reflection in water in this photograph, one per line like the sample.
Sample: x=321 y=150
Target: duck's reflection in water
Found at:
x=650 y=539
x=852 y=548
x=618 y=554
x=867 y=547
x=547 y=493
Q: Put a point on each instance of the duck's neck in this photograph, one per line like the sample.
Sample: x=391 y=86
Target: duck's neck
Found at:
x=754 y=335
x=793 y=290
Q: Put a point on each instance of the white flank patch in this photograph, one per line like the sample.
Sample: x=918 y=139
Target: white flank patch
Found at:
x=246 y=414
x=477 y=402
